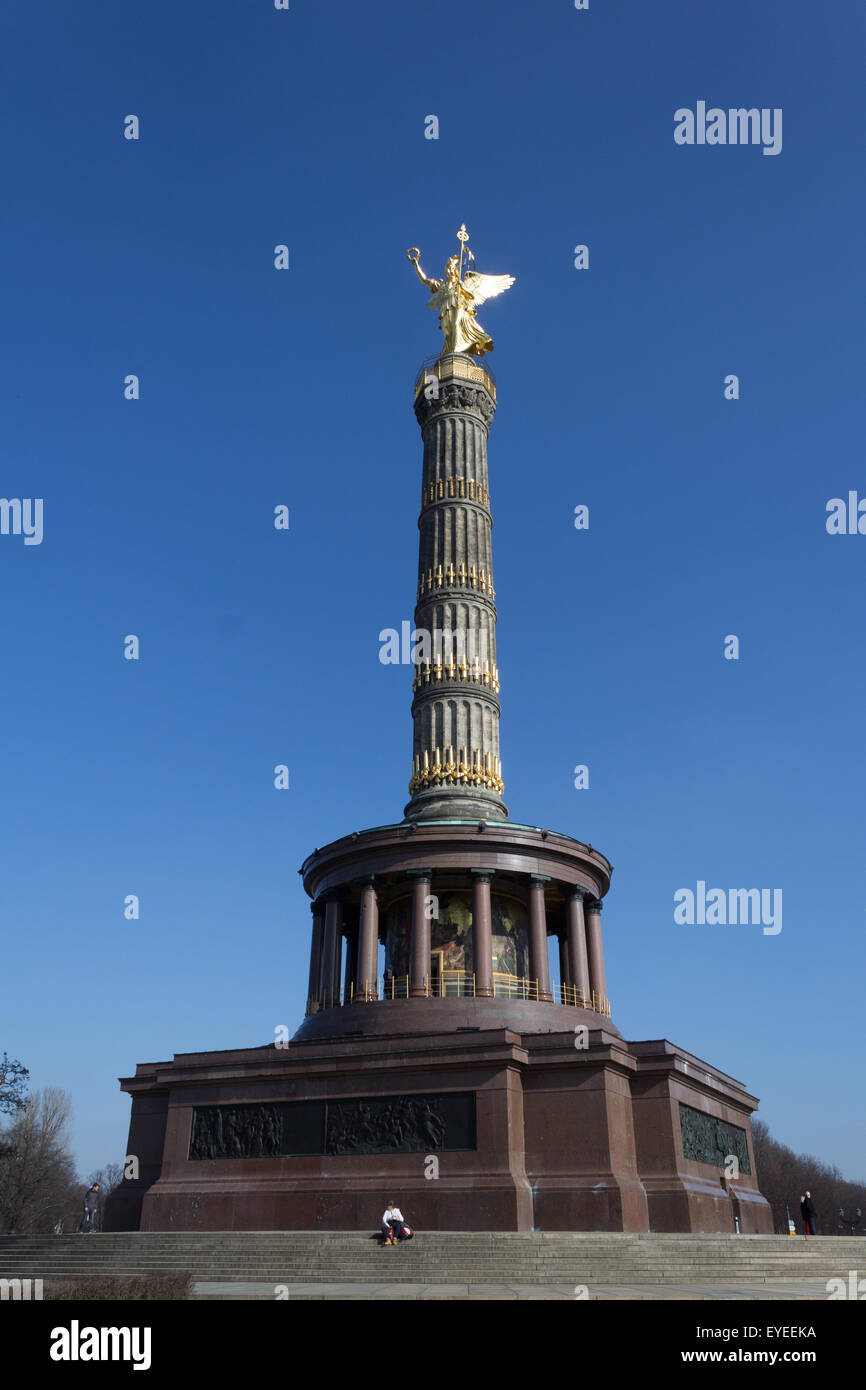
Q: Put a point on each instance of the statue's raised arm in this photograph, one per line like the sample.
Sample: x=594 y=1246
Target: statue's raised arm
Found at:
x=414 y=256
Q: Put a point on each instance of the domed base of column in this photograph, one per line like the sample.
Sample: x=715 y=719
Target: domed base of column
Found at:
x=437 y=804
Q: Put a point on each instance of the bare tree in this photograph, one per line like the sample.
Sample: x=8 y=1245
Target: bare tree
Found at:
x=37 y=1179
x=783 y=1176
x=13 y=1083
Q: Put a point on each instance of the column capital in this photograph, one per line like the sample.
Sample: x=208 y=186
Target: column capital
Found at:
x=419 y=873
x=594 y=904
x=365 y=881
x=539 y=878
x=482 y=875
x=576 y=891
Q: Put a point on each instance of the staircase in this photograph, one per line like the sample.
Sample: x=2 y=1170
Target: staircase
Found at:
x=526 y=1258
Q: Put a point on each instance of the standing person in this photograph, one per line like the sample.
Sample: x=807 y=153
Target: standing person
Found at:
x=91 y=1202
x=807 y=1211
x=392 y=1220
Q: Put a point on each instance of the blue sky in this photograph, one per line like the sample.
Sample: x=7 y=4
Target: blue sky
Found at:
x=259 y=387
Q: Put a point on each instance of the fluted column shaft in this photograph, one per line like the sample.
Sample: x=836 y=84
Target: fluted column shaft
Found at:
x=594 y=947
x=368 y=949
x=576 y=928
x=331 y=953
x=482 y=933
x=538 y=966
x=456 y=769
x=564 y=962
x=419 y=946
x=314 y=988
x=350 y=963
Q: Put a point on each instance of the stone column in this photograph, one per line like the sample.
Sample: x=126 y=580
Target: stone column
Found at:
x=350 y=963
x=456 y=768
x=576 y=928
x=565 y=980
x=482 y=933
x=331 y=954
x=594 y=949
x=538 y=966
x=314 y=988
x=338 y=955
x=419 y=945
x=368 y=950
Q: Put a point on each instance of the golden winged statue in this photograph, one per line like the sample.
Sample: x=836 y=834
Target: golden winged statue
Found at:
x=456 y=297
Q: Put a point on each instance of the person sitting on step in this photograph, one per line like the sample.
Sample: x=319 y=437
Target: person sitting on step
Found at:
x=392 y=1220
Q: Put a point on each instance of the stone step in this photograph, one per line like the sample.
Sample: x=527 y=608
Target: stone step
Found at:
x=193 y=1261
x=36 y=1268
x=97 y=1251
x=437 y=1258
x=458 y=1256
x=353 y=1258
x=613 y=1279
x=350 y=1256
x=541 y=1246
x=44 y=1262
x=100 y=1248
x=41 y=1269
x=470 y=1276
x=475 y=1275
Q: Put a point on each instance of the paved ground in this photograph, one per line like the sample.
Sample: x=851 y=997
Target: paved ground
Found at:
x=801 y=1289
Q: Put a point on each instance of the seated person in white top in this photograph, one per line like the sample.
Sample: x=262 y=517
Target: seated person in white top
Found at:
x=392 y=1220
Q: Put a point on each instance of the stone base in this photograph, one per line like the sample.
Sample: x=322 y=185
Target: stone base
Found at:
x=562 y=1138
x=444 y=805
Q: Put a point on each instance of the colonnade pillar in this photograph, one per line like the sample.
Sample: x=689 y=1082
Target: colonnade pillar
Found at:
x=314 y=987
x=594 y=947
x=482 y=932
x=576 y=930
x=419 y=945
x=368 y=946
x=581 y=954
x=350 y=962
x=538 y=967
x=331 y=953
x=564 y=962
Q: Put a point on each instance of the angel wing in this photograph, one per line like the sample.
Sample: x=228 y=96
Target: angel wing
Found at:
x=483 y=287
